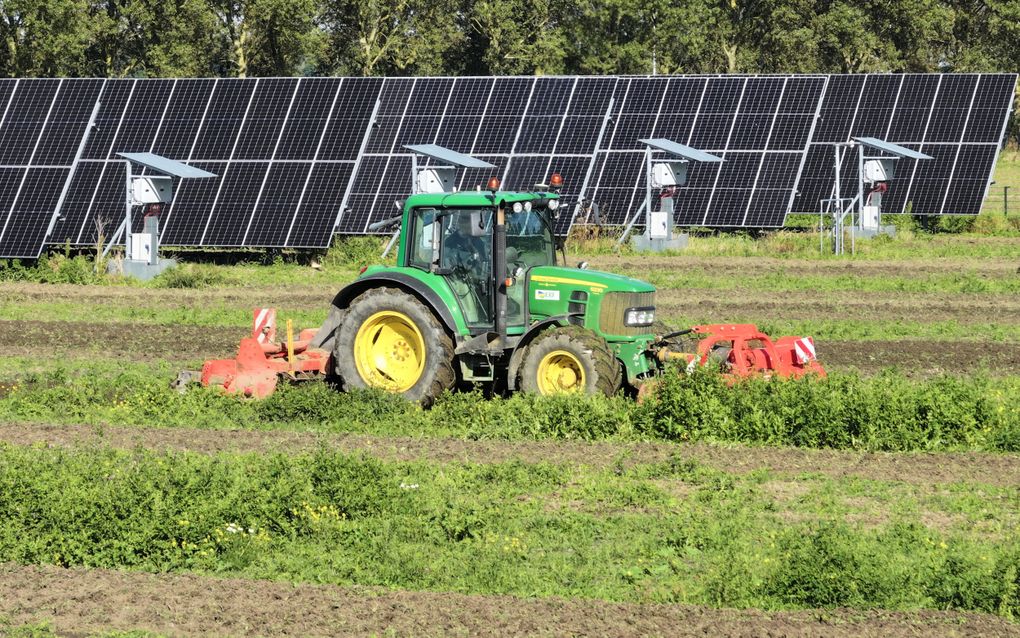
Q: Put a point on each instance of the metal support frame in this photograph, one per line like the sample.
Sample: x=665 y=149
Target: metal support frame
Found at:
x=838 y=208
x=74 y=168
x=680 y=153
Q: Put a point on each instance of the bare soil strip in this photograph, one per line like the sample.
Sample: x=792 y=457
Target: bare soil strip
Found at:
x=922 y=358
x=151 y=343
x=78 y=601
x=757 y=266
x=866 y=307
x=916 y=468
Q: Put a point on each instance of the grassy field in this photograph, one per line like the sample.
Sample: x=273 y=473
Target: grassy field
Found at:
x=882 y=501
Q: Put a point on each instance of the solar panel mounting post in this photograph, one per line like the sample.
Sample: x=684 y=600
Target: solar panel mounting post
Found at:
x=665 y=174
x=147 y=190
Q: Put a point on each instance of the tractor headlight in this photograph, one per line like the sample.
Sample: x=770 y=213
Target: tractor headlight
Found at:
x=639 y=317
x=518 y=207
x=553 y=204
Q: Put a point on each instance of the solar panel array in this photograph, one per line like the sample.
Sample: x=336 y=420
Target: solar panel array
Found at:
x=299 y=159
x=527 y=127
x=760 y=126
x=959 y=120
x=283 y=150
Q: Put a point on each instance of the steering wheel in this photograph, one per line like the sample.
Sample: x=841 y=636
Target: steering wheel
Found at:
x=513 y=262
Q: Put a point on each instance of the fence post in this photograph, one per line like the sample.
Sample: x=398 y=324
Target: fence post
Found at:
x=1005 y=201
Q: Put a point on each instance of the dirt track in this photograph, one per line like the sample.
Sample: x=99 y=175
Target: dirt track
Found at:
x=151 y=342
x=77 y=601
x=918 y=468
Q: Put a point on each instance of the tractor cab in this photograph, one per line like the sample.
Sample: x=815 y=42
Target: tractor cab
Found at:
x=456 y=238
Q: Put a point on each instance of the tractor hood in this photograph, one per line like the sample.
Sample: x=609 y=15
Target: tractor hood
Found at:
x=591 y=281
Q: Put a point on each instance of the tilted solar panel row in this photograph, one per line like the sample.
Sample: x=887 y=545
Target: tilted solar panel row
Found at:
x=959 y=120
x=299 y=159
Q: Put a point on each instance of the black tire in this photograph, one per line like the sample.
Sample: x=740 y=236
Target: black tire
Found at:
x=602 y=371
x=437 y=373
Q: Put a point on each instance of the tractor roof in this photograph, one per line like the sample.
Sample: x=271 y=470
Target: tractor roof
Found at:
x=475 y=198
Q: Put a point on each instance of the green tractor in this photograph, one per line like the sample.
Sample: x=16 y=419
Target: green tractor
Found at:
x=477 y=296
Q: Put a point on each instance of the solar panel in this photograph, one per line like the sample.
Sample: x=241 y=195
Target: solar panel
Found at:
x=42 y=129
x=958 y=119
x=269 y=141
x=760 y=126
x=528 y=128
x=298 y=159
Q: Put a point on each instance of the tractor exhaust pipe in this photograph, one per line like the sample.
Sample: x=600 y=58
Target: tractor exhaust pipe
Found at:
x=499 y=273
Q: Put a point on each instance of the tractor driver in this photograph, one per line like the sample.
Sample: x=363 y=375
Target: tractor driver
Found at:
x=468 y=254
x=463 y=249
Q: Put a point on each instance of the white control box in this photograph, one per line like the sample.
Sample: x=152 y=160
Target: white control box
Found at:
x=154 y=189
x=658 y=225
x=877 y=170
x=141 y=246
x=869 y=217
x=669 y=174
x=436 y=180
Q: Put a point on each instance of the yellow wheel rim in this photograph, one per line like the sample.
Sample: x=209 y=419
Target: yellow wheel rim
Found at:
x=389 y=351
x=560 y=372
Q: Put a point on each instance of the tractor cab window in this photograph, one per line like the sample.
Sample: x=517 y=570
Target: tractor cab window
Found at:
x=466 y=257
x=421 y=250
x=529 y=240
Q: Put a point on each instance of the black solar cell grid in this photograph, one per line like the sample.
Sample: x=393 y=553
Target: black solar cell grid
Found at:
x=959 y=119
x=299 y=158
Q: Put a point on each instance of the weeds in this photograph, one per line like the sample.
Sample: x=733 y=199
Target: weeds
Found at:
x=191 y=276
x=506 y=528
x=845 y=411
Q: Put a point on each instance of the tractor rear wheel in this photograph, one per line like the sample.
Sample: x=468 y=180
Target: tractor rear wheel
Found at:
x=569 y=359
x=390 y=340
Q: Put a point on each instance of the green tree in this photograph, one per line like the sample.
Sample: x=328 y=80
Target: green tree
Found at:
x=520 y=37
x=158 y=38
x=391 y=37
x=47 y=38
x=848 y=42
x=268 y=37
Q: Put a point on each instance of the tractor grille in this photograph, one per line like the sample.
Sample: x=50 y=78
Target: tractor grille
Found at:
x=615 y=304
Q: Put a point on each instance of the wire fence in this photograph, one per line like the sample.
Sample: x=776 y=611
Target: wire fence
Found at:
x=1003 y=200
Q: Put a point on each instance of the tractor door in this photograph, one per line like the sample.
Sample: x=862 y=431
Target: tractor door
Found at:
x=457 y=244
x=465 y=259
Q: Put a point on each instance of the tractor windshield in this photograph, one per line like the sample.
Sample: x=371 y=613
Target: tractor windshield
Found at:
x=529 y=240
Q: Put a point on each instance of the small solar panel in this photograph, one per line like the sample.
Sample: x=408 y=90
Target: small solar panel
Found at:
x=891 y=149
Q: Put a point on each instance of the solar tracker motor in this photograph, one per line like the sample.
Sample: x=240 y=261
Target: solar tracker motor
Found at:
x=476 y=297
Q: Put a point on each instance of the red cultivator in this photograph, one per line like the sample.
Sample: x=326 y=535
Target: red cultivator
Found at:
x=261 y=361
x=742 y=350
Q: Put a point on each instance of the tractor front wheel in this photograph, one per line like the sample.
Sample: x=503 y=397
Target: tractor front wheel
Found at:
x=570 y=359
x=390 y=340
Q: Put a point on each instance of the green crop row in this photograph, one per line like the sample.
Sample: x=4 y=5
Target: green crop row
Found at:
x=511 y=528
x=844 y=411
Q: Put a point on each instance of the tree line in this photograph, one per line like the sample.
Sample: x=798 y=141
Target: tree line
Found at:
x=238 y=38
